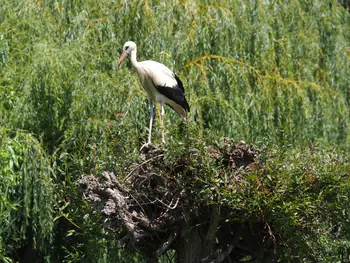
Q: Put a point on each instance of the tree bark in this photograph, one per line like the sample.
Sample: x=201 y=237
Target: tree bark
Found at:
x=193 y=248
x=197 y=245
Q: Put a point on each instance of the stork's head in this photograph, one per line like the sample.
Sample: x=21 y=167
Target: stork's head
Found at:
x=128 y=47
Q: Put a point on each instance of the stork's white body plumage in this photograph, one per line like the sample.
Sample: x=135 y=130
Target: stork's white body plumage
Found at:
x=153 y=76
x=160 y=83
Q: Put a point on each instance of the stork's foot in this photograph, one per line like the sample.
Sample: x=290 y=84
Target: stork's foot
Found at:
x=146 y=146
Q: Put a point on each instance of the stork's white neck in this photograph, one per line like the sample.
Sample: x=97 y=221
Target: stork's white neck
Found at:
x=133 y=58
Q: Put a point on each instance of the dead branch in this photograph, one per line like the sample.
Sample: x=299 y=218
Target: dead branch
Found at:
x=166 y=244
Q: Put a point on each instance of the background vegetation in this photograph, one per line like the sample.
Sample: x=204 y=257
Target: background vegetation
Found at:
x=272 y=73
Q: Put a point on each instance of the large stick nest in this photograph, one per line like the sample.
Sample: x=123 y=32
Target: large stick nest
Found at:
x=148 y=205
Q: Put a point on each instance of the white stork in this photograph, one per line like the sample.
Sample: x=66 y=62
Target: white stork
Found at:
x=160 y=83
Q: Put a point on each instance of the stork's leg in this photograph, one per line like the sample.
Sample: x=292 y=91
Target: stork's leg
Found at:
x=150 y=122
x=150 y=125
x=162 y=113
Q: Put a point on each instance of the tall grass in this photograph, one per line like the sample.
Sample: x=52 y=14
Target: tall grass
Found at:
x=252 y=70
x=267 y=72
x=26 y=194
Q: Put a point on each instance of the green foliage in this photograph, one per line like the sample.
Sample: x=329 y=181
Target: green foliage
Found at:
x=273 y=73
x=300 y=196
x=26 y=195
x=277 y=70
x=304 y=197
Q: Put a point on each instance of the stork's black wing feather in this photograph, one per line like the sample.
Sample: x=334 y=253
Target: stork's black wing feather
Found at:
x=179 y=83
x=175 y=94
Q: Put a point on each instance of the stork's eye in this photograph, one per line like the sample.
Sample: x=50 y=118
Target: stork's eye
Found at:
x=126 y=48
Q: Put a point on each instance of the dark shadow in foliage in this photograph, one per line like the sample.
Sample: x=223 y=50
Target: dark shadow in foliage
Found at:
x=345 y=3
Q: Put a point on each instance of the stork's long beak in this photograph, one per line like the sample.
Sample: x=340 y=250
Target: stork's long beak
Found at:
x=122 y=57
